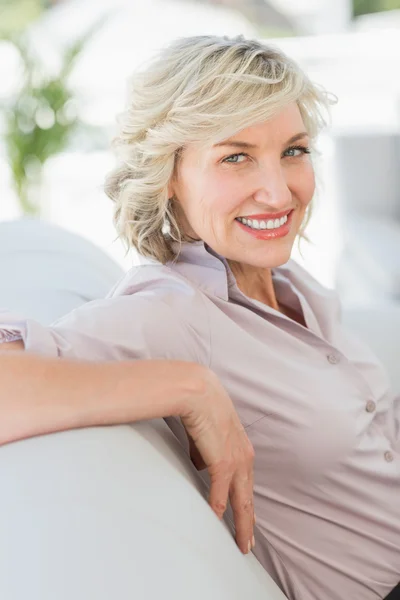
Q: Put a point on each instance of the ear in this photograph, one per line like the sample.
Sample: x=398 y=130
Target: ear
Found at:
x=173 y=184
x=170 y=189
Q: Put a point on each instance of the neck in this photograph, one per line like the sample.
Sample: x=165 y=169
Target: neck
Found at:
x=255 y=282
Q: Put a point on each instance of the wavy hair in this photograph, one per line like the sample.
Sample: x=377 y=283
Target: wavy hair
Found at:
x=198 y=89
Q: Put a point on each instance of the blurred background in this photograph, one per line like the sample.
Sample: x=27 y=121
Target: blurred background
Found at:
x=64 y=67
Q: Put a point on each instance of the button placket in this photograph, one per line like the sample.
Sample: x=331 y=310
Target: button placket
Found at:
x=370 y=406
x=334 y=359
x=389 y=456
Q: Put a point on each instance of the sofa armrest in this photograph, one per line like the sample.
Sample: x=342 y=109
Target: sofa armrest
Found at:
x=112 y=513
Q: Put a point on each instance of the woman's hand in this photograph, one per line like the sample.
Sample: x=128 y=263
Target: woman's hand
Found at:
x=50 y=395
x=219 y=442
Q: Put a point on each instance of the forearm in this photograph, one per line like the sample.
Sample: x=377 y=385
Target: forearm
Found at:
x=40 y=395
x=17 y=345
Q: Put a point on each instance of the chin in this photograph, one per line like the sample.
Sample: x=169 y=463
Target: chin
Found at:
x=270 y=255
x=268 y=259
x=272 y=263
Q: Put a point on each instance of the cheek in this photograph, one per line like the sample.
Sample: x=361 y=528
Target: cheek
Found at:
x=303 y=184
x=223 y=195
x=215 y=196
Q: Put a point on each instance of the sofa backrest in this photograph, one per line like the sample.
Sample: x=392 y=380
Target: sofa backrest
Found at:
x=47 y=271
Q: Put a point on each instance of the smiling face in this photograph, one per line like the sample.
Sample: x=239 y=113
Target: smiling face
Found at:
x=247 y=197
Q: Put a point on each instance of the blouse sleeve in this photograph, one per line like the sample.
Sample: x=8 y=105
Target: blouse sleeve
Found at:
x=115 y=328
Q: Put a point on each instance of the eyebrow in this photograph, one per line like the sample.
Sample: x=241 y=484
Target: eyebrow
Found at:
x=239 y=144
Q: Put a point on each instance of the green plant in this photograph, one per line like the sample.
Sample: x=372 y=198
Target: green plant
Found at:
x=16 y=15
x=41 y=119
x=362 y=7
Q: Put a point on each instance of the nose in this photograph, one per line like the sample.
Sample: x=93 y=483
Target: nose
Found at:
x=272 y=188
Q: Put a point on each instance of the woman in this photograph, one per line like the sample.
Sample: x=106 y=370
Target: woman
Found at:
x=215 y=181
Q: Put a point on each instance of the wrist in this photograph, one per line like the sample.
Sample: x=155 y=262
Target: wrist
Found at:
x=195 y=384
x=150 y=389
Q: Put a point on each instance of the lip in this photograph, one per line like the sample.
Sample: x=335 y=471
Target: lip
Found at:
x=269 y=234
x=268 y=216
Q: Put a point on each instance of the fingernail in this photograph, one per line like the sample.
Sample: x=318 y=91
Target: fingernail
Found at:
x=253 y=541
x=249 y=547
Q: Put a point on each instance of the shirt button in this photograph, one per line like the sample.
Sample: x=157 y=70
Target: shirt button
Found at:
x=389 y=456
x=333 y=359
x=370 y=406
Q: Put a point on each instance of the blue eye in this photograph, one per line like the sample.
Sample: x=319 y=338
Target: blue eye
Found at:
x=302 y=149
x=234 y=156
x=234 y=159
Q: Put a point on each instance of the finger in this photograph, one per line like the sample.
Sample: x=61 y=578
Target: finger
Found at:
x=241 y=498
x=220 y=477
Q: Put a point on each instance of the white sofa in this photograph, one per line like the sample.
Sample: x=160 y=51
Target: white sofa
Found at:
x=107 y=513
x=115 y=513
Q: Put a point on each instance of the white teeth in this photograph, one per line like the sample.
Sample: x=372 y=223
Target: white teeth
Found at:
x=270 y=224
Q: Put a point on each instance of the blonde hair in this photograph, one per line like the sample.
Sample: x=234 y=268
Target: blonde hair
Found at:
x=198 y=89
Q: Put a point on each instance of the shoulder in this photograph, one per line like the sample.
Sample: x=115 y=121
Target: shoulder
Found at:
x=156 y=278
x=162 y=300
x=158 y=284
x=146 y=315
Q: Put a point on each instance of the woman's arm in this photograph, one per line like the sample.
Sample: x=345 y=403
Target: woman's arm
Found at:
x=17 y=345
x=91 y=368
x=42 y=395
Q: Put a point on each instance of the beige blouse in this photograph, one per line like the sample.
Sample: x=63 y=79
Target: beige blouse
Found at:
x=316 y=403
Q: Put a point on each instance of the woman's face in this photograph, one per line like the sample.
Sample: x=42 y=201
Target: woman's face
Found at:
x=246 y=197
